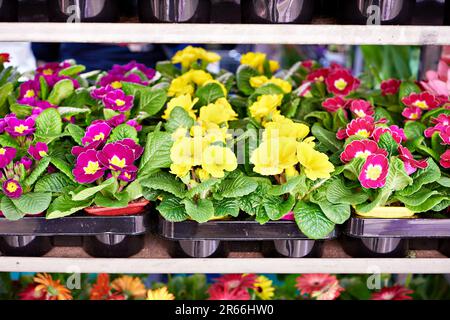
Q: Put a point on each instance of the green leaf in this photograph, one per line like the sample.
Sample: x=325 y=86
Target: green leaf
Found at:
x=311 y=220
x=157 y=152
x=166 y=182
x=243 y=76
x=388 y=143
x=37 y=172
x=287 y=187
x=20 y=110
x=61 y=91
x=337 y=192
x=152 y=101
x=209 y=93
x=200 y=211
x=422 y=177
x=64 y=206
x=428 y=204
x=417 y=198
x=122 y=132
x=67 y=112
x=444 y=181
x=33 y=202
x=62 y=166
x=179 y=118
x=10 y=211
x=167 y=69
x=134 y=190
x=327 y=138
x=55 y=182
x=268 y=88
x=89 y=192
x=72 y=70
x=202 y=188
x=8 y=141
x=406 y=88
x=172 y=209
x=5 y=91
x=120 y=200
x=337 y=213
x=76 y=132
x=239 y=186
x=226 y=207
x=48 y=123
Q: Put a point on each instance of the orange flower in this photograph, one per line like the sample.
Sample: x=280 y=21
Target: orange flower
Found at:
x=101 y=290
x=52 y=289
x=129 y=286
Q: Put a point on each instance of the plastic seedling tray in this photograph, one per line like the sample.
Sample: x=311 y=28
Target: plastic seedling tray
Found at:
x=213 y=238
x=375 y=237
x=119 y=236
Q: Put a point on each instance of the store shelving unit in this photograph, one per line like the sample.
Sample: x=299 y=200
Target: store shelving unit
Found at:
x=154 y=258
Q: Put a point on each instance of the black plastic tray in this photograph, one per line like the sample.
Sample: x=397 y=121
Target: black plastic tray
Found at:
x=119 y=236
x=210 y=239
x=375 y=237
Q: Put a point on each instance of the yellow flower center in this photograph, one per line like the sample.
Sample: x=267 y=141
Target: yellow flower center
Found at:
x=341 y=84
x=20 y=129
x=120 y=102
x=116 y=161
x=421 y=104
x=29 y=94
x=116 y=84
x=321 y=79
x=12 y=187
x=48 y=72
x=92 y=167
x=100 y=136
x=363 y=133
x=127 y=175
x=42 y=153
x=2 y=151
x=373 y=171
x=360 y=113
x=363 y=154
x=414 y=116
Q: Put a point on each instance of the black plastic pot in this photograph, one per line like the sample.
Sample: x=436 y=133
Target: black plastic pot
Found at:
x=278 y=11
x=226 y=11
x=429 y=12
x=215 y=238
x=8 y=10
x=447 y=13
x=326 y=8
x=83 y=10
x=376 y=11
x=391 y=238
x=119 y=237
x=174 y=11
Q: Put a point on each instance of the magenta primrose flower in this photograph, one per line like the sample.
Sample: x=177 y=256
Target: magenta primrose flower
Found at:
x=96 y=133
x=361 y=149
x=334 y=104
x=118 y=101
x=28 y=91
x=390 y=87
x=7 y=155
x=445 y=135
x=363 y=127
x=118 y=157
x=445 y=159
x=412 y=113
x=116 y=120
x=115 y=80
x=3 y=125
x=51 y=68
x=441 y=122
x=397 y=133
x=101 y=92
x=137 y=149
x=17 y=127
x=361 y=108
x=127 y=176
x=12 y=189
x=133 y=123
x=38 y=151
x=88 y=167
x=411 y=164
x=423 y=100
x=27 y=163
x=374 y=171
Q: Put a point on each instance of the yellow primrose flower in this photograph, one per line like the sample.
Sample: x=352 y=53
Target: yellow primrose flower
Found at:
x=202 y=174
x=265 y=106
x=224 y=90
x=263 y=288
x=191 y=54
x=284 y=127
x=180 y=86
x=214 y=133
x=291 y=172
x=179 y=134
x=199 y=77
x=258 y=81
x=210 y=56
x=274 y=156
x=182 y=151
x=218 y=159
x=256 y=61
x=316 y=164
x=310 y=141
x=160 y=294
x=180 y=170
x=218 y=112
x=197 y=131
x=184 y=101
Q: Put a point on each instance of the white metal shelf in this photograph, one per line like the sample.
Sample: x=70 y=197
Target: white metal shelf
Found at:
x=224 y=33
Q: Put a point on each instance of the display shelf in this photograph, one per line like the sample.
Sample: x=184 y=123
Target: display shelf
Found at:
x=155 y=259
x=224 y=33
